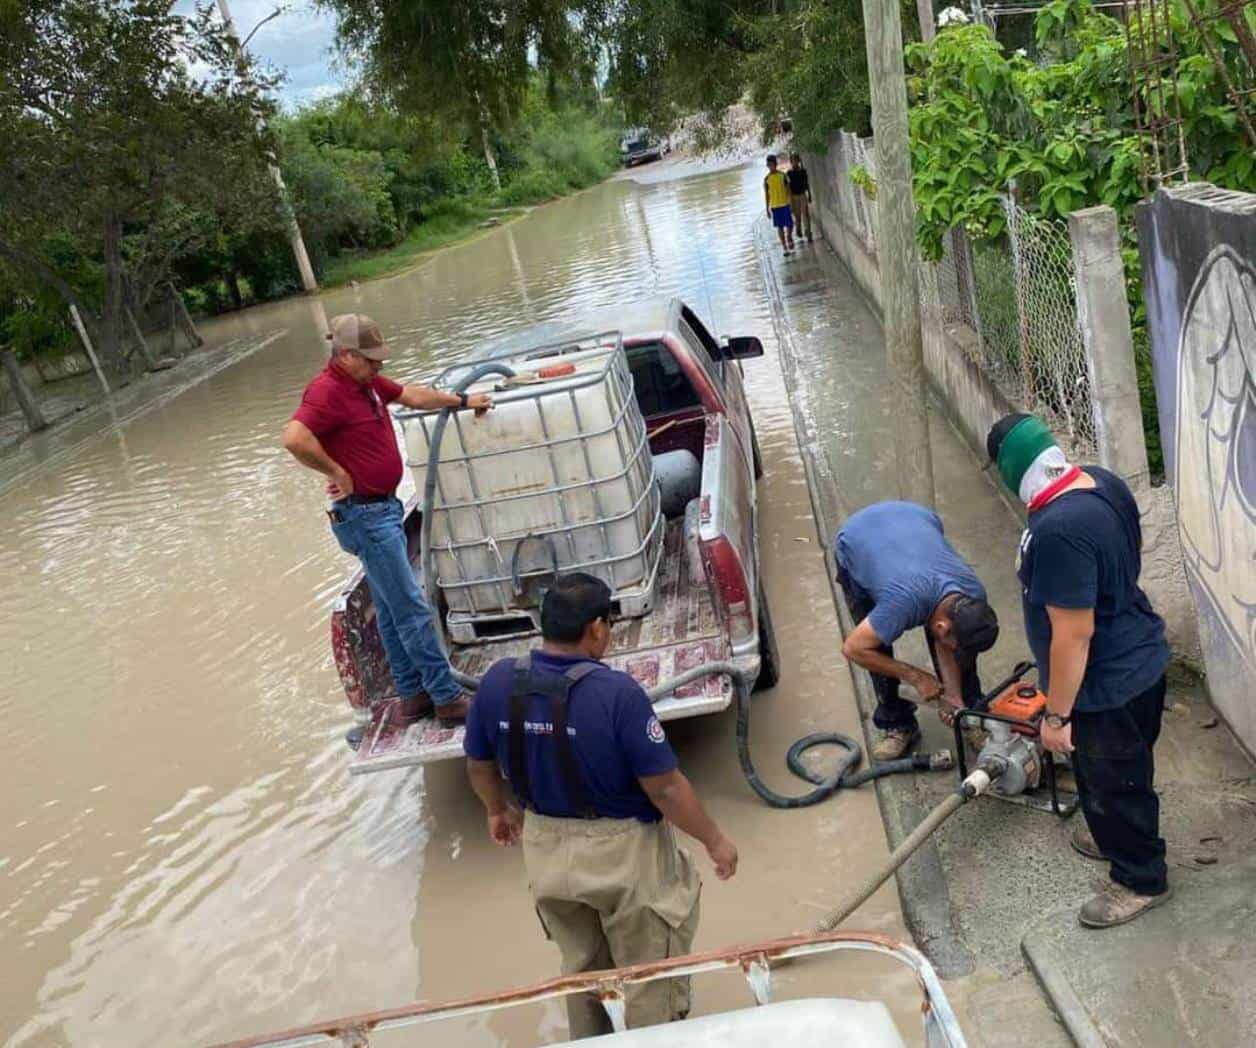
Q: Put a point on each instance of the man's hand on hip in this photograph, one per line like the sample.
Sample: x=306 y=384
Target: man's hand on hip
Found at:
x=340 y=486
x=723 y=854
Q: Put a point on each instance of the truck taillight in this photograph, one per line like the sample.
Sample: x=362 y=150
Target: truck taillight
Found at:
x=727 y=576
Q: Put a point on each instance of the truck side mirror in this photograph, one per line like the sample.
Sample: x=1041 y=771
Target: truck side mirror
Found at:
x=742 y=346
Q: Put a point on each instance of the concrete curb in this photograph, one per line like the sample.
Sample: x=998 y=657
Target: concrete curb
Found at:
x=1068 y=1006
x=922 y=885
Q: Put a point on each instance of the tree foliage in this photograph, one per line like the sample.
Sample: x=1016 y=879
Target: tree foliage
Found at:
x=1062 y=126
x=123 y=148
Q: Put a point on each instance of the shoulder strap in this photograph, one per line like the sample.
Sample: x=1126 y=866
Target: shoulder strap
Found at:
x=516 y=750
x=573 y=780
x=580 y=670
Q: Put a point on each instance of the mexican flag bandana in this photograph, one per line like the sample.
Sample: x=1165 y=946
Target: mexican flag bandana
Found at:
x=1032 y=464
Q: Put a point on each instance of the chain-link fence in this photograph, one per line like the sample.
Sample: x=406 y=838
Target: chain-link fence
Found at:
x=1026 y=296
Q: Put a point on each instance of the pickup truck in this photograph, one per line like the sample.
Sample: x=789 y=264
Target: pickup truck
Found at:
x=689 y=387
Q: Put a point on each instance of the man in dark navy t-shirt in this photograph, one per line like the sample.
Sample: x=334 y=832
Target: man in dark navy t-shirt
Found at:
x=589 y=761
x=1101 y=655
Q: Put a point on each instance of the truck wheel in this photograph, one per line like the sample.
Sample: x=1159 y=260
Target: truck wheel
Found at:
x=769 y=656
x=755 y=454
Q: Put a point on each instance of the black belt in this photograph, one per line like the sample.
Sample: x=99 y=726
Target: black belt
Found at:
x=359 y=500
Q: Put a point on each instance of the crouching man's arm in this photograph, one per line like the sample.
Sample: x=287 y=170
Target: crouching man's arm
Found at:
x=861 y=648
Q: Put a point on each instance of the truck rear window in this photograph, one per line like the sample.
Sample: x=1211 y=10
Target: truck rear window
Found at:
x=661 y=386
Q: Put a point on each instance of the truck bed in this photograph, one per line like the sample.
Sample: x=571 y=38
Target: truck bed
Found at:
x=681 y=632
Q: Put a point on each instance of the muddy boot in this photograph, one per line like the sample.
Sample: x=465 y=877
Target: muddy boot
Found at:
x=410 y=710
x=1083 y=842
x=452 y=713
x=895 y=743
x=1115 y=904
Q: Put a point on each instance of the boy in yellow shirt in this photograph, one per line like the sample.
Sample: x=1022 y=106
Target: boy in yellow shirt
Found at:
x=776 y=197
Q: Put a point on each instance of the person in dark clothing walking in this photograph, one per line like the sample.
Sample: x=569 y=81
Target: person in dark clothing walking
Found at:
x=799 y=196
x=1101 y=655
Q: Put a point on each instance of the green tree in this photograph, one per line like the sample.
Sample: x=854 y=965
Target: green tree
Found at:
x=123 y=147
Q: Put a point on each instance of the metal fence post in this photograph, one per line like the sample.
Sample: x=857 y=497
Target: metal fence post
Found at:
x=1104 y=319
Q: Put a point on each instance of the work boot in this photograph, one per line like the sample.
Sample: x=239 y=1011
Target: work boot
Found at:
x=895 y=743
x=450 y=714
x=1115 y=904
x=1084 y=843
x=410 y=710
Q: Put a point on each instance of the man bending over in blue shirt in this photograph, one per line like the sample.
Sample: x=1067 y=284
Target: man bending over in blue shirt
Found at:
x=897 y=572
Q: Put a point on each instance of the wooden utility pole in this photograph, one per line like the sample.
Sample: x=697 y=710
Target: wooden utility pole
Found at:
x=896 y=249
x=308 y=280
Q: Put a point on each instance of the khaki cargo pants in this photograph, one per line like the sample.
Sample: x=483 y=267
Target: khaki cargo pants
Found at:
x=611 y=892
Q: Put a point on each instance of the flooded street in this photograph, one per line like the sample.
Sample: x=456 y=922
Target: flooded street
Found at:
x=183 y=855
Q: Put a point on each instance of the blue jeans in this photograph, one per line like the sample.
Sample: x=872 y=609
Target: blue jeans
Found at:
x=374 y=533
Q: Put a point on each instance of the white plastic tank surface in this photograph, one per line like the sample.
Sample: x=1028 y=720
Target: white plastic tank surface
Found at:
x=519 y=470
x=810 y=1023
x=679 y=475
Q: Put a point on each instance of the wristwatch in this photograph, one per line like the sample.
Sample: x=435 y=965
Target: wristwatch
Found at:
x=462 y=400
x=1056 y=720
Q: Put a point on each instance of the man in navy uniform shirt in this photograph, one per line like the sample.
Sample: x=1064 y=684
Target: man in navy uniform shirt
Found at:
x=588 y=759
x=1101 y=656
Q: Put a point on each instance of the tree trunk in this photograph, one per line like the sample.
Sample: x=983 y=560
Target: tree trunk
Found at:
x=112 y=317
x=35 y=420
x=233 y=288
x=489 y=158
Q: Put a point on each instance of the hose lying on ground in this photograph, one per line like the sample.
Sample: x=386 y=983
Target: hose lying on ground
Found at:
x=844 y=777
x=971 y=787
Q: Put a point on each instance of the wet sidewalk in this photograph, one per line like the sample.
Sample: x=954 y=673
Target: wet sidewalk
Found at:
x=996 y=869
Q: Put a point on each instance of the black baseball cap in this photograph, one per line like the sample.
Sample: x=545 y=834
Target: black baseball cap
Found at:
x=974 y=625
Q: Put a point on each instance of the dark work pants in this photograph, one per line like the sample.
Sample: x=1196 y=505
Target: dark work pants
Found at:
x=894 y=713
x=1115 y=767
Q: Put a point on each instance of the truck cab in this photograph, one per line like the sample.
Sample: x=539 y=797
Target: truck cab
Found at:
x=707 y=599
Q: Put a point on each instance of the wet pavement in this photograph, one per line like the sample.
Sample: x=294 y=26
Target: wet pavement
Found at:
x=184 y=857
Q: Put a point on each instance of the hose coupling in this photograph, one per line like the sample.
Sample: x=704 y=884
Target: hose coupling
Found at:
x=941 y=761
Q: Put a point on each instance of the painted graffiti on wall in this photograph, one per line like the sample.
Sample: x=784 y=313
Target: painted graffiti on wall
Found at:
x=1215 y=460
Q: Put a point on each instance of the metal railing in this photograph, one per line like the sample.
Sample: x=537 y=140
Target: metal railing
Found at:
x=941 y=1028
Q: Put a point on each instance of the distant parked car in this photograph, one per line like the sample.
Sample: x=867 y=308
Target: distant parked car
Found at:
x=638 y=146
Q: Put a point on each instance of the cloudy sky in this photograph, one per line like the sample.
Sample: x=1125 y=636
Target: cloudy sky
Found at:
x=299 y=44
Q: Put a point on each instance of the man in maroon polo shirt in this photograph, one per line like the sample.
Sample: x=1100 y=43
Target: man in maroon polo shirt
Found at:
x=343 y=430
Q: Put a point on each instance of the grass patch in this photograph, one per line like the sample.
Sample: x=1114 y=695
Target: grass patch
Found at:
x=448 y=222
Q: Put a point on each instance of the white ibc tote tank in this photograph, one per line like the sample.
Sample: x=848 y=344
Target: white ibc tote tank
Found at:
x=559 y=471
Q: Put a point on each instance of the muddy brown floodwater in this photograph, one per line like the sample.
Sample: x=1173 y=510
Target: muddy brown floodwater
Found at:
x=183 y=856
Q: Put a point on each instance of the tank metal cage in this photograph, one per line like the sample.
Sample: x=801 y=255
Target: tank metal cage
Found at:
x=494 y=575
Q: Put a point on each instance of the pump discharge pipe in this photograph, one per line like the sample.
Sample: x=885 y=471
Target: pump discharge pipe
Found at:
x=844 y=777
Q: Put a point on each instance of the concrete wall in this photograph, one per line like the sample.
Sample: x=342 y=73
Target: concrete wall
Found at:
x=1198 y=247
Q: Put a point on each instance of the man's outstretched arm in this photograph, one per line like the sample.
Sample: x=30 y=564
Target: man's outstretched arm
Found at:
x=861 y=648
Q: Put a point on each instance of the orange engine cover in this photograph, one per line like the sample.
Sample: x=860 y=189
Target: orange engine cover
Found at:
x=1022 y=702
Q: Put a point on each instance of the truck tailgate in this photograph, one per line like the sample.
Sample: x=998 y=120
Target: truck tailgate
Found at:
x=681 y=632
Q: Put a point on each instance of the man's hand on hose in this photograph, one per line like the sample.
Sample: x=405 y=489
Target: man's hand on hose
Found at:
x=723 y=854
x=506 y=827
